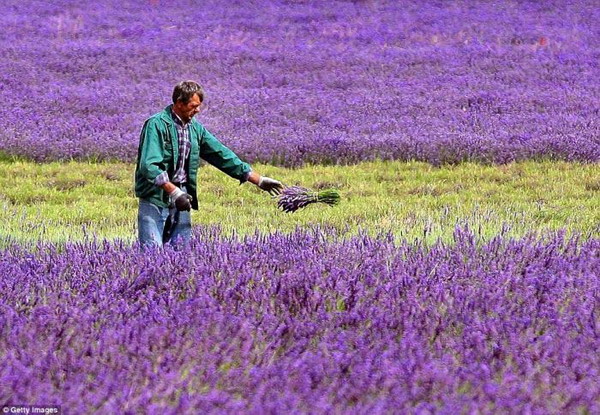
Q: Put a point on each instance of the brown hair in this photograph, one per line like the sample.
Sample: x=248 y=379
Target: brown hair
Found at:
x=185 y=90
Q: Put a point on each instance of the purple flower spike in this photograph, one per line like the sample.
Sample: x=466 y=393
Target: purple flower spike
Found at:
x=295 y=197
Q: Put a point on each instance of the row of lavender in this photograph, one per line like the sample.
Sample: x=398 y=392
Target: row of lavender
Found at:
x=304 y=322
x=291 y=82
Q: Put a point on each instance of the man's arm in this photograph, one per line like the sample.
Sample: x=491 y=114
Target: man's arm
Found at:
x=213 y=151
x=254 y=177
x=169 y=187
x=221 y=157
x=151 y=164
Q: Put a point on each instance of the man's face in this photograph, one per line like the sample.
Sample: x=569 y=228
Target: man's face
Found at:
x=187 y=111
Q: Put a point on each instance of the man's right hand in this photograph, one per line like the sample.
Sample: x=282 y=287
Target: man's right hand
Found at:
x=181 y=200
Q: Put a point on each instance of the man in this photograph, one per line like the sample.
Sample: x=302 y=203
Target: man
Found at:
x=171 y=145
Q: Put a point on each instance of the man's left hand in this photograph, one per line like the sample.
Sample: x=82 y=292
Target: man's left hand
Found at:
x=274 y=187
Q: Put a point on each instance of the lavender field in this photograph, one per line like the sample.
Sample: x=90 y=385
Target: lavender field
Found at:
x=466 y=284
x=294 y=82
x=305 y=323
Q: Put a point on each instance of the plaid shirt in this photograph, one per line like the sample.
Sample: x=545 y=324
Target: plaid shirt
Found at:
x=183 y=138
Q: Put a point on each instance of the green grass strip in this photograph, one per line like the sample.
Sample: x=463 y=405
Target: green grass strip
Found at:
x=71 y=201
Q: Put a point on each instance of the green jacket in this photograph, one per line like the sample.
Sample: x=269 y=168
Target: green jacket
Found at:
x=158 y=152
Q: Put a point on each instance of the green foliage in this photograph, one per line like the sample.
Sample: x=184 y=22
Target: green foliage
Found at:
x=61 y=201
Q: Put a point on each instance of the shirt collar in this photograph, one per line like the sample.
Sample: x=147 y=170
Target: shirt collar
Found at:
x=177 y=119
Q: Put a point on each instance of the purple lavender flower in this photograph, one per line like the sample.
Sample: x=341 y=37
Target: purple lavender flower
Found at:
x=309 y=319
x=413 y=80
x=296 y=197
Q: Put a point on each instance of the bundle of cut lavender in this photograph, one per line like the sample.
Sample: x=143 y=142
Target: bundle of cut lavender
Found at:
x=293 y=198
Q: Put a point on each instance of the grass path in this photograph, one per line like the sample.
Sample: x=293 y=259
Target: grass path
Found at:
x=61 y=201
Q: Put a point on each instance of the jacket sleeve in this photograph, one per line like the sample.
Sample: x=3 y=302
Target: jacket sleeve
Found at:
x=218 y=155
x=151 y=162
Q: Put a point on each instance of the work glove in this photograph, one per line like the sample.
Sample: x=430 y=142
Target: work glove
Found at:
x=181 y=200
x=274 y=187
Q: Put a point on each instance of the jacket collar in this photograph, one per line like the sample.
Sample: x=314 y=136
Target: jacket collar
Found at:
x=165 y=115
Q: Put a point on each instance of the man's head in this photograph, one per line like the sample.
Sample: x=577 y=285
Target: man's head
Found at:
x=187 y=98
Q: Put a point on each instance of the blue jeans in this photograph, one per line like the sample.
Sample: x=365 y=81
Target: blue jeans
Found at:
x=158 y=226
